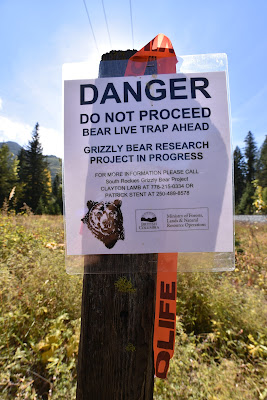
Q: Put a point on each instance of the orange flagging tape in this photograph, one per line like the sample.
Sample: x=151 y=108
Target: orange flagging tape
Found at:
x=160 y=50
x=165 y=313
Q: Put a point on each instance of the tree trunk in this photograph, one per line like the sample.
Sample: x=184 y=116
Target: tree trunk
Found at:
x=115 y=360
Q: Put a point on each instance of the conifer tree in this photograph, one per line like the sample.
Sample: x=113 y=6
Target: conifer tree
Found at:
x=57 y=193
x=35 y=173
x=22 y=174
x=239 y=175
x=8 y=173
x=251 y=157
x=246 y=202
x=22 y=164
x=245 y=206
x=261 y=172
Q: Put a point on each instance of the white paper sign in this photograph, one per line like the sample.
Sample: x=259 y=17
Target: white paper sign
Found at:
x=147 y=166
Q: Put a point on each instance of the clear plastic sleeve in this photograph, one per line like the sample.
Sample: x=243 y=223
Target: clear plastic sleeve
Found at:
x=125 y=263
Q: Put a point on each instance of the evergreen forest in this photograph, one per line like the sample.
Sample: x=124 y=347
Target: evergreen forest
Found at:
x=26 y=184
x=250 y=177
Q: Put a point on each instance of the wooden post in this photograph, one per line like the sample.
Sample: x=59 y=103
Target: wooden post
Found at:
x=115 y=360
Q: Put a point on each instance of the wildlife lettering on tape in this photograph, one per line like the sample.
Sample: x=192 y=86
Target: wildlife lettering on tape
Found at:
x=165 y=313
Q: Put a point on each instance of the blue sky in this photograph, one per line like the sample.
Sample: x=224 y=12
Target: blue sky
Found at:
x=38 y=37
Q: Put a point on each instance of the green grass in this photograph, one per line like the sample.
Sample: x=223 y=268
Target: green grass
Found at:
x=221 y=319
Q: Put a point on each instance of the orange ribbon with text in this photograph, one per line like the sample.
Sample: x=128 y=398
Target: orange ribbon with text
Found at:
x=161 y=50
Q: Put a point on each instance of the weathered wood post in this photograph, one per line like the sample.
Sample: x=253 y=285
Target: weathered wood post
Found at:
x=115 y=359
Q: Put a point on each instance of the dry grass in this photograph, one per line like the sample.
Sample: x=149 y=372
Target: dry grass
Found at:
x=221 y=324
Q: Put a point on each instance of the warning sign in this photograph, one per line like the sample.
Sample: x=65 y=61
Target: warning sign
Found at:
x=148 y=164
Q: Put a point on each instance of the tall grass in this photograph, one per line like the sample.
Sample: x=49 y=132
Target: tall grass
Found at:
x=40 y=310
x=221 y=319
x=221 y=344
